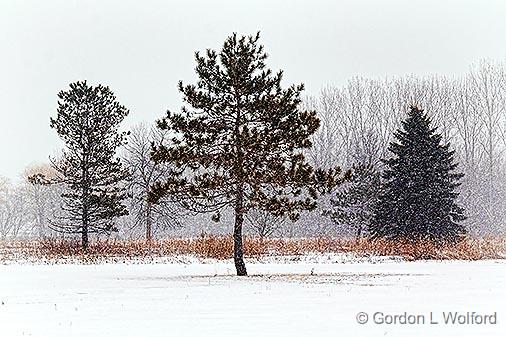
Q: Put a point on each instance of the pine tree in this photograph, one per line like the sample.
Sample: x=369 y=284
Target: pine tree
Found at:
x=87 y=121
x=353 y=204
x=418 y=200
x=238 y=142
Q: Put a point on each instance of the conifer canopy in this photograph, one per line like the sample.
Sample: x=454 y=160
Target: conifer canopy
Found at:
x=239 y=140
x=87 y=121
x=418 y=198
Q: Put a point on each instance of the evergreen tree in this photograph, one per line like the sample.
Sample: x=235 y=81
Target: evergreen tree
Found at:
x=238 y=142
x=418 y=199
x=87 y=121
x=354 y=203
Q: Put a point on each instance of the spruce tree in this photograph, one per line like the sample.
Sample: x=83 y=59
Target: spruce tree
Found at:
x=418 y=199
x=87 y=121
x=239 y=139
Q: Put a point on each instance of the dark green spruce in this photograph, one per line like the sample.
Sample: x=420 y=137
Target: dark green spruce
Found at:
x=238 y=141
x=418 y=199
x=87 y=121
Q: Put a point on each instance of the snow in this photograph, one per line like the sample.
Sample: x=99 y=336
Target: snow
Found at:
x=314 y=296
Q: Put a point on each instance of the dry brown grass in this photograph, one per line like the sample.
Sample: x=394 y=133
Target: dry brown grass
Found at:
x=467 y=249
x=219 y=247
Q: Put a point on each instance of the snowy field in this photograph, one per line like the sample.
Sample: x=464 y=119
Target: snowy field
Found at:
x=312 y=297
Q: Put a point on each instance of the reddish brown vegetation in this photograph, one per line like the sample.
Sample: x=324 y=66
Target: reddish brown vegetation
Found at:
x=221 y=248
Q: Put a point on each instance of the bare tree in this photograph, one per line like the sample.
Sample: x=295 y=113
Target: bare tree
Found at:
x=41 y=197
x=265 y=224
x=488 y=99
x=144 y=173
x=13 y=216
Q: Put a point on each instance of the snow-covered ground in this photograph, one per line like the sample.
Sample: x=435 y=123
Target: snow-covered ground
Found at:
x=312 y=297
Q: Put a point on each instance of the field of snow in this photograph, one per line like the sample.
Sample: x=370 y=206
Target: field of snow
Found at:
x=312 y=297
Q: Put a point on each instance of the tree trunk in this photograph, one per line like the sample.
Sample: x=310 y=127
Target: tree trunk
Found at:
x=149 y=235
x=359 y=231
x=239 y=219
x=85 y=220
x=84 y=237
x=85 y=200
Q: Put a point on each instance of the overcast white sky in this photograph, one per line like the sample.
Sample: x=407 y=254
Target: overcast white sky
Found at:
x=142 y=48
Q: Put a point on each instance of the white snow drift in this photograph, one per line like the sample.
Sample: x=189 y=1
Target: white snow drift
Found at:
x=280 y=298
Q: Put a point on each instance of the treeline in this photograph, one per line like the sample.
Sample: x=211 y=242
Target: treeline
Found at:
x=358 y=122
x=245 y=150
x=27 y=207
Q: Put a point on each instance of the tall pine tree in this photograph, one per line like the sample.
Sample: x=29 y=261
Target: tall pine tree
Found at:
x=238 y=141
x=87 y=121
x=418 y=201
